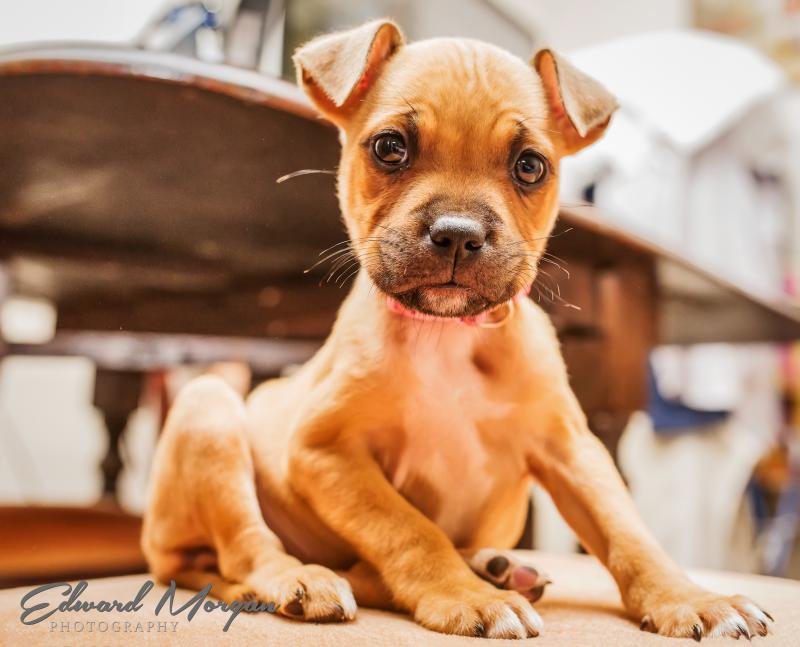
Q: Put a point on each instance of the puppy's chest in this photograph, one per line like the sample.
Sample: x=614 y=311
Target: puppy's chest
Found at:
x=449 y=459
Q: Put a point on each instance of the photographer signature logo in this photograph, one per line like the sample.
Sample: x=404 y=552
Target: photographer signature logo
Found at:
x=36 y=609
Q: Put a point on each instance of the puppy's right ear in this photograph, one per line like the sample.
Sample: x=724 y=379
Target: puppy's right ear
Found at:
x=337 y=69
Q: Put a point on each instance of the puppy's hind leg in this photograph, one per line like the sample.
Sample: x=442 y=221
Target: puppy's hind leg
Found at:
x=204 y=503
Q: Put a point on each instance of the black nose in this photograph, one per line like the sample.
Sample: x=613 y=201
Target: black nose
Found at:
x=458 y=232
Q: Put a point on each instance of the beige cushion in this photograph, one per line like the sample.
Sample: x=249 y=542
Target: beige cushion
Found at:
x=581 y=608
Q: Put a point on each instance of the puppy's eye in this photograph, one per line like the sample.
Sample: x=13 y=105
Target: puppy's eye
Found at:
x=390 y=148
x=530 y=168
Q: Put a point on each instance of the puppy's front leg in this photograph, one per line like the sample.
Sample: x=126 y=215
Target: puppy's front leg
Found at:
x=417 y=562
x=584 y=483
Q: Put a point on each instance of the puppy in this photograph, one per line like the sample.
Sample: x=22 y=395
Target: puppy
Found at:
x=440 y=394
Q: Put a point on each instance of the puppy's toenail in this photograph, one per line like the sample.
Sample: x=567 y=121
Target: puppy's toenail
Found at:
x=697 y=632
x=497 y=566
x=294 y=608
x=743 y=631
x=768 y=616
x=647 y=625
x=339 y=610
x=480 y=630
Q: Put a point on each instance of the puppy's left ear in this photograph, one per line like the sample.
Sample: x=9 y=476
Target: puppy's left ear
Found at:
x=580 y=107
x=336 y=70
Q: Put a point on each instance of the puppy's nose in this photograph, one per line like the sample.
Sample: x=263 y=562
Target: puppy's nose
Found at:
x=451 y=232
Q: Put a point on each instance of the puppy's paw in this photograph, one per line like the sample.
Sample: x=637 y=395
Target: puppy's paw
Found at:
x=702 y=614
x=307 y=592
x=478 y=610
x=505 y=571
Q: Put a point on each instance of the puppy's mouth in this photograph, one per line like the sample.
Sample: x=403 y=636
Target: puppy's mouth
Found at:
x=449 y=299
x=448 y=288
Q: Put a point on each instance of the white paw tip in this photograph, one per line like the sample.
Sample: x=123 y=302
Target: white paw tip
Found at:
x=506 y=625
x=755 y=612
x=533 y=620
x=732 y=625
x=347 y=601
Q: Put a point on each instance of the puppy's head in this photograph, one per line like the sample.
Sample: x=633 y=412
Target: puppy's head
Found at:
x=448 y=179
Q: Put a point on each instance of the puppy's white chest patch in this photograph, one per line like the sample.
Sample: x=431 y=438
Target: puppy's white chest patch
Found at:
x=442 y=412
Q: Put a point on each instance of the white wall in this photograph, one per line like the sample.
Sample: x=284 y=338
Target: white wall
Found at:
x=572 y=24
x=113 y=21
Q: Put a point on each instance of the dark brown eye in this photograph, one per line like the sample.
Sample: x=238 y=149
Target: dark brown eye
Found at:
x=530 y=168
x=390 y=148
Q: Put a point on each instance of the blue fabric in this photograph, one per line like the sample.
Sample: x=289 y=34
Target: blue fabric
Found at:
x=671 y=417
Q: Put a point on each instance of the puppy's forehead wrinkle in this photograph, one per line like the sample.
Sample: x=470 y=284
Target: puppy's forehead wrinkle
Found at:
x=464 y=60
x=449 y=72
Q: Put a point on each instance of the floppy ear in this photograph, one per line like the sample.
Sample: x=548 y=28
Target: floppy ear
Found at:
x=579 y=105
x=337 y=69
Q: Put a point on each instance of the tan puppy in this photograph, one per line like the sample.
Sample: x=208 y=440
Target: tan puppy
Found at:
x=410 y=435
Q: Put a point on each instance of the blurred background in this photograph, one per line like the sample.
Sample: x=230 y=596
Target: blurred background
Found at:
x=143 y=237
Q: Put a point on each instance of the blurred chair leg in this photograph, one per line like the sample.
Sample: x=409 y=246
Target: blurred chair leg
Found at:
x=116 y=395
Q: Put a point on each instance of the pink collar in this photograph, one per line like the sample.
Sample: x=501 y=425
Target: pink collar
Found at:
x=480 y=320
